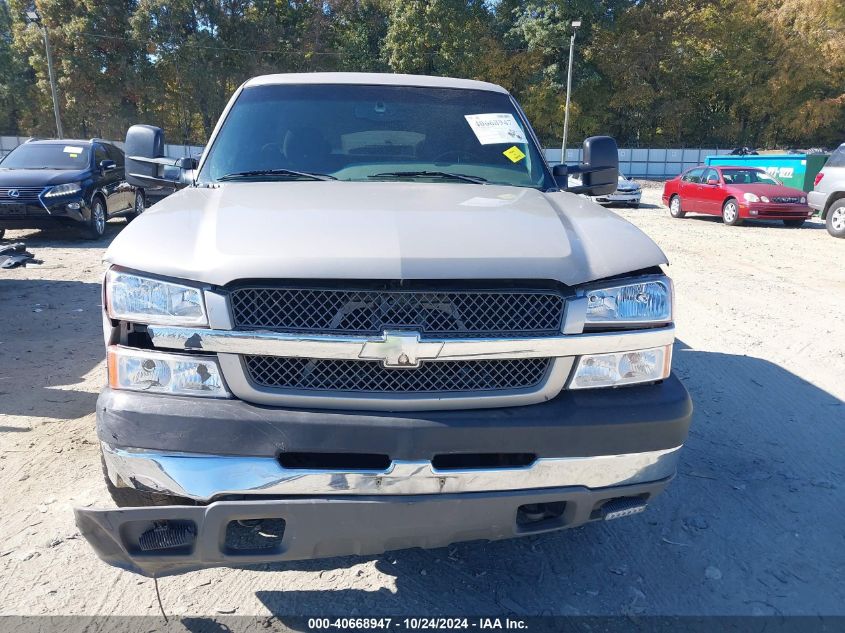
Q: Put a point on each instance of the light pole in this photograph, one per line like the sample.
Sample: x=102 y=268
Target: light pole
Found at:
x=575 y=25
x=35 y=18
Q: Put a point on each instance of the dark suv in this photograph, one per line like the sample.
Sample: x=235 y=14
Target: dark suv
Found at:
x=44 y=182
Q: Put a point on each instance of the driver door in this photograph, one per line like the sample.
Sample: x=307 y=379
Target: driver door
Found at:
x=711 y=194
x=108 y=180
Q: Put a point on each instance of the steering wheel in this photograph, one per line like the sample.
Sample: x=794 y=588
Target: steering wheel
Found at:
x=458 y=154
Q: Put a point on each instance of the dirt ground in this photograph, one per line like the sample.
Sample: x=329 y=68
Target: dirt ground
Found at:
x=751 y=525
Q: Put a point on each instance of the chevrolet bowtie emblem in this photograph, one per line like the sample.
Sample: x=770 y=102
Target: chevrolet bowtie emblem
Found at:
x=400 y=349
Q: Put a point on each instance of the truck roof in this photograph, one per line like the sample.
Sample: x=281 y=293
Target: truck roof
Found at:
x=373 y=79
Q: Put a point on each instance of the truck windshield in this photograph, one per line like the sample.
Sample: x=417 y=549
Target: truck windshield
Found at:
x=371 y=133
x=46 y=156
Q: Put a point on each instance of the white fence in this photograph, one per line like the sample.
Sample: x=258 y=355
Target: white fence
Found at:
x=8 y=143
x=657 y=163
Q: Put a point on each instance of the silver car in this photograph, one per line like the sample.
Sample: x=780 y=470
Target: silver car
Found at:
x=628 y=192
x=828 y=196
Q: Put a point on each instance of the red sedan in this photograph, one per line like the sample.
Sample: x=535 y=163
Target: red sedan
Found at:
x=735 y=193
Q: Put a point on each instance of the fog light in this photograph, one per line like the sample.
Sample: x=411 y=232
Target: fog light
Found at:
x=154 y=372
x=622 y=368
x=753 y=211
x=74 y=206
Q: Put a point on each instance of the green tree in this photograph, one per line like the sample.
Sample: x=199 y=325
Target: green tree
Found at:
x=17 y=81
x=436 y=37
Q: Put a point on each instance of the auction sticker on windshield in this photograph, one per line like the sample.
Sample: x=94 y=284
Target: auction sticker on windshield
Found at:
x=514 y=154
x=495 y=128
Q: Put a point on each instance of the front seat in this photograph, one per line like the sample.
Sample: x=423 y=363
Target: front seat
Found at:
x=305 y=149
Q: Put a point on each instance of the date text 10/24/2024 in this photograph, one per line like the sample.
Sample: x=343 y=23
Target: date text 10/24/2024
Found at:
x=420 y=623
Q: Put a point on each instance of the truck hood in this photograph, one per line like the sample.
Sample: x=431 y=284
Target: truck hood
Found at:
x=384 y=230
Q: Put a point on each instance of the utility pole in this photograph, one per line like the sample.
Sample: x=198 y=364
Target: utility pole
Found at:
x=575 y=25
x=35 y=18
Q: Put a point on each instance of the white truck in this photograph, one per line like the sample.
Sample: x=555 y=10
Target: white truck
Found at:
x=376 y=318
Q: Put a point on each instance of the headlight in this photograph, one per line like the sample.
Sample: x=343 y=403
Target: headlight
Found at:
x=763 y=199
x=63 y=190
x=751 y=197
x=174 y=374
x=134 y=298
x=622 y=368
x=647 y=301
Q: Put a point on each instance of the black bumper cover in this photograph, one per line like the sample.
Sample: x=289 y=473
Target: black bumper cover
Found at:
x=325 y=527
x=574 y=424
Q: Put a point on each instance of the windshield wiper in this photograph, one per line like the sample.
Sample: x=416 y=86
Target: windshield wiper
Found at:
x=478 y=180
x=284 y=173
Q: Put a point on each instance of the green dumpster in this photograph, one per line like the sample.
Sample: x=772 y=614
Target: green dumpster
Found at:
x=794 y=170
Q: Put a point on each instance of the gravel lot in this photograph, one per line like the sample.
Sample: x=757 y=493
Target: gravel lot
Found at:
x=751 y=525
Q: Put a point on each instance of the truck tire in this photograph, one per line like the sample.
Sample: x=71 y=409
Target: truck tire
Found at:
x=835 y=220
x=730 y=212
x=675 y=207
x=96 y=224
x=131 y=498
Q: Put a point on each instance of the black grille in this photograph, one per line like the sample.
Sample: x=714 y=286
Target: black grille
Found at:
x=24 y=194
x=433 y=313
x=787 y=199
x=373 y=377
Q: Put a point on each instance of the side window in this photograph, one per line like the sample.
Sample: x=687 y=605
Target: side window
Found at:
x=694 y=175
x=837 y=159
x=115 y=154
x=100 y=155
x=710 y=174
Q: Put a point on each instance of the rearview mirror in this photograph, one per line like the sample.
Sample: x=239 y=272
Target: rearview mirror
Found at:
x=146 y=164
x=107 y=165
x=599 y=170
x=712 y=181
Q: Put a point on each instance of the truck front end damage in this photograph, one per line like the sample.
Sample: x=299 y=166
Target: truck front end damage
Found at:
x=347 y=442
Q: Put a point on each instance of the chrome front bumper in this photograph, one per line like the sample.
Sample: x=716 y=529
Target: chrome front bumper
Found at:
x=205 y=477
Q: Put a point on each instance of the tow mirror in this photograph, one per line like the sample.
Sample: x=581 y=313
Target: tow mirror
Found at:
x=146 y=164
x=599 y=171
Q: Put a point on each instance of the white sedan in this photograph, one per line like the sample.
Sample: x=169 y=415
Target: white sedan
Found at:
x=628 y=192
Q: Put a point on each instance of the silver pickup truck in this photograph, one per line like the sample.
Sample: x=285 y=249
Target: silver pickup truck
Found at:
x=375 y=319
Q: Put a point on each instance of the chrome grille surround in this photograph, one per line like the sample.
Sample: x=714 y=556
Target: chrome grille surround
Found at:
x=432 y=313
x=319 y=323
x=366 y=376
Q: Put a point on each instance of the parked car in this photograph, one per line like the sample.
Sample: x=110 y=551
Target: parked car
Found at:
x=47 y=182
x=374 y=321
x=828 y=194
x=735 y=193
x=628 y=192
